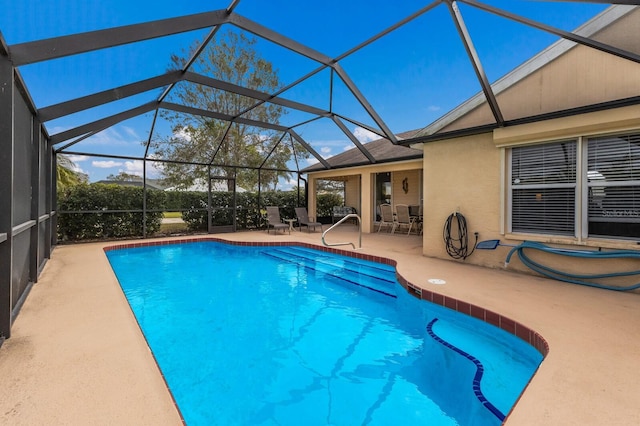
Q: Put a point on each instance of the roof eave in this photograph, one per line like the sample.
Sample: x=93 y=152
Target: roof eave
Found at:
x=472 y=131
x=364 y=163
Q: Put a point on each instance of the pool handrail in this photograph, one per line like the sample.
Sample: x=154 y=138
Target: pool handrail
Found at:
x=349 y=216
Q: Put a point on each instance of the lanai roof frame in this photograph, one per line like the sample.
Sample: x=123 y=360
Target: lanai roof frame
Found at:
x=47 y=49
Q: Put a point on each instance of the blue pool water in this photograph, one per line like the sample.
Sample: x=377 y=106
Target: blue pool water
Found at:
x=290 y=335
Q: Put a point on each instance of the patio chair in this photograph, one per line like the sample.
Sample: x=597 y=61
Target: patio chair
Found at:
x=273 y=220
x=339 y=212
x=416 y=214
x=403 y=218
x=386 y=217
x=303 y=219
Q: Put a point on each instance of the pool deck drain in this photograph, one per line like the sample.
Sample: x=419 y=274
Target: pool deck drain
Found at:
x=77 y=356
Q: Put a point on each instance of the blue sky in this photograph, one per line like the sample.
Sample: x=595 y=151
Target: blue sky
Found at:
x=411 y=76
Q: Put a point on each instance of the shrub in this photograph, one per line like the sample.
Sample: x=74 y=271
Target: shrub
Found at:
x=326 y=203
x=248 y=216
x=195 y=203
x=106 y=222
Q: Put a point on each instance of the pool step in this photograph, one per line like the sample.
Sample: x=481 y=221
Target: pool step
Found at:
x=376 y=271
x=373 y=269
x=349 y=272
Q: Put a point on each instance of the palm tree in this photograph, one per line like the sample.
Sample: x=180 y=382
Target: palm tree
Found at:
x=66 y=176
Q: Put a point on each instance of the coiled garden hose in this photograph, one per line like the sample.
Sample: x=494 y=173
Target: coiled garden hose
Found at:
x=458 y=248
x=575 y=278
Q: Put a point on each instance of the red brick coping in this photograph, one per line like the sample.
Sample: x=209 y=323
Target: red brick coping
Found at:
x=506 y=324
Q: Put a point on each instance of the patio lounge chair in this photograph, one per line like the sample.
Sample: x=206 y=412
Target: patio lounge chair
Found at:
x=303 y=219
x=273 y=220
x=386 y=217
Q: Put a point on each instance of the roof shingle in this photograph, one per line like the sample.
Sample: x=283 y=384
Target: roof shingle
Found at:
x=383 y=150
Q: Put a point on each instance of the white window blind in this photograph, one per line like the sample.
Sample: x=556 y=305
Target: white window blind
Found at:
x=543 y=188
x=614 y=186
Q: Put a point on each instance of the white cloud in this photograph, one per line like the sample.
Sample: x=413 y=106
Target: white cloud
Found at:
x=364 y=135
x=136 y=167
x=291 y=184
x=131 y=132
x=78 y=158
x=287 y=184
x=182 y=134
x=106 y=164
x=78 y=169
x=325 y=149
x=313 y=160
x=154 y=168
x=57 y=129
x=433 y=108
x=112 y=137
x=107 y=137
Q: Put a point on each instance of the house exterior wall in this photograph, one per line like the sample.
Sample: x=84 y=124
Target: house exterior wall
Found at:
x=352 y=192
x=363 y=178
x=414 y=189
x=462 y=175
x=469 y=175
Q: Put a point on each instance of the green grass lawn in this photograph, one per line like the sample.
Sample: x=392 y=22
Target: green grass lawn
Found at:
x=172 y=215
x=172 y=228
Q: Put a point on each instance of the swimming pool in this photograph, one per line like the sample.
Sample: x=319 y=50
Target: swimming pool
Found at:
x=285 y=335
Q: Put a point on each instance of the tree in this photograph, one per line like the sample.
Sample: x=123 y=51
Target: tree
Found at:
x=124 y=176
x=329 y=185
x=205 y=140
x=66 y=175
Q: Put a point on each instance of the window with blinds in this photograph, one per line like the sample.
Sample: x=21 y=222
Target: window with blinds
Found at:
x=613 y=176
x=543 y=188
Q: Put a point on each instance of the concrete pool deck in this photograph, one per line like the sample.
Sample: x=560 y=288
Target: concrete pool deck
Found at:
x=77 y=357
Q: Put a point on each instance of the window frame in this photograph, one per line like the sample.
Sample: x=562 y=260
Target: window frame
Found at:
x=575 y=185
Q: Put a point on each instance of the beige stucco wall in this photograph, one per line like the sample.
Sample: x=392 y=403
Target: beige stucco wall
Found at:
x=364 y=176
x=352 y=192
x=462 y=175
x=414 y=189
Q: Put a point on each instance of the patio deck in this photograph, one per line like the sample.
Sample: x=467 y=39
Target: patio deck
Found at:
x=77 y=356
